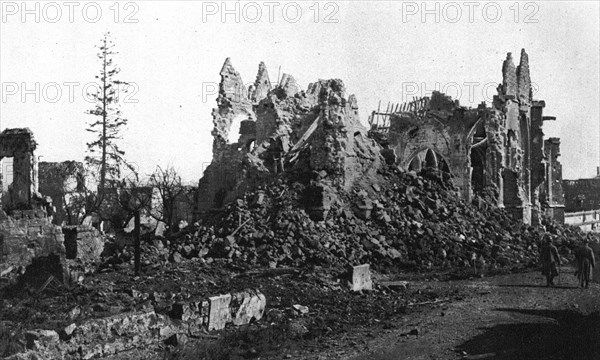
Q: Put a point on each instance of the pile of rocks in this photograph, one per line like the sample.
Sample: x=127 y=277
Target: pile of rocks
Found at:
x=398 y=219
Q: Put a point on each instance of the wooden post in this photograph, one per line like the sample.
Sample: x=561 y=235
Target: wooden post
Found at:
x=136 y=240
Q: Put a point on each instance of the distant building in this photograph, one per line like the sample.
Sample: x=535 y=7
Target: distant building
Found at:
x=582 y=194
x=582 y=203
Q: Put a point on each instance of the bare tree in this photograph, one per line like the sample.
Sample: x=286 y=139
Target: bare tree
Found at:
x=170 y=189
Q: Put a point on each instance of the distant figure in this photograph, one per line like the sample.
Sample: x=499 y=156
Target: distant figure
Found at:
x=585 y=263
x=550 y=260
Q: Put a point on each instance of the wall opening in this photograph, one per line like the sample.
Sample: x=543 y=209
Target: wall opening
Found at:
x=41 y=269
x=7 y=179
x=428 y=158
x=70 y=242
x=415 y=164
x=431 y=159
x=478 y=159
x=234 y=130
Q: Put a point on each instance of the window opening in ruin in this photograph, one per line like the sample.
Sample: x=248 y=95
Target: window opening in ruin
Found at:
x=431 y=159
x=443 y=165
x=428 y=158
x=478 y=159
x=415 y=164
x=511 y=188
x=234 y=129
x=41 y=269
x=6 y=178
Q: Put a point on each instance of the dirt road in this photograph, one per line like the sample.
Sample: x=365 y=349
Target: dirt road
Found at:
x=503 y=317
x=509 y=317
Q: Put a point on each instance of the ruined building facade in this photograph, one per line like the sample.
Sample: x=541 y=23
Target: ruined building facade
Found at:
x=314 y=132
x=19 y=145
x=28 y=239
x=499 y=150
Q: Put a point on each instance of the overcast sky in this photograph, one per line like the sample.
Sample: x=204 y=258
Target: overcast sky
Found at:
x=172 y=52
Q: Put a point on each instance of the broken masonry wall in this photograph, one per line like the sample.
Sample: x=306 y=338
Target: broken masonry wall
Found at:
x=552 y=195
x=223 y=178
x=340 y=145
x=233 y=105
x=83 y=243
x=20 y=145
x=286 y=112
x=494 y=124
x=538 y=160
x=320 y=121
x=443 y=128
x=514 y=99
x=509 y=135
x=25 y=240
x=262 y=84
x=29 y=239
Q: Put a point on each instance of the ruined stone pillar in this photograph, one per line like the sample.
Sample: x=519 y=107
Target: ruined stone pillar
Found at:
x=20 y=145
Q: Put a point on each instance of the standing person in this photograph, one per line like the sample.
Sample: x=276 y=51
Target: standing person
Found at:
x=585 y=263
x=550 y=260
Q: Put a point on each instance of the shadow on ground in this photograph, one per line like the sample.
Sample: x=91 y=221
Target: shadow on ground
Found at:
x=538 y=286
x=571 y=336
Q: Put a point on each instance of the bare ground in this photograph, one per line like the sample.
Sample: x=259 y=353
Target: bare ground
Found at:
x=501 y=317
x=507 y=317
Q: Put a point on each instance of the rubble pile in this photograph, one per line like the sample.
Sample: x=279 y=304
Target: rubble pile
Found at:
x=394 y=220
x=306 y=184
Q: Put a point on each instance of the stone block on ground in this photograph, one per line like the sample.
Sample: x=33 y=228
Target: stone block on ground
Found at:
x=361 y=278
x=247 y=305
x=219 y=314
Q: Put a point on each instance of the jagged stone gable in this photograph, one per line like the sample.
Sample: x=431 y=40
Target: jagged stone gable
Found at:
x=232 y=103
x=509 y=76
x=524 y=79
x=339 y=149
x=262 y=84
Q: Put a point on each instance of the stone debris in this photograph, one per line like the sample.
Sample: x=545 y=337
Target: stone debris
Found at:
x=247 y=306
x=361 y=278
x=416 y=220
x=219 y=314
x=304 y=187
x=498 y=150
x=34 y=244
x=128 y=330
x=301 y=309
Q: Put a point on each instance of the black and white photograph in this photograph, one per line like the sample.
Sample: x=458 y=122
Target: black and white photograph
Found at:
x=304 y=180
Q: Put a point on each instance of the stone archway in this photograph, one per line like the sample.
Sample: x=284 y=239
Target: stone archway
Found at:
x=427 y=158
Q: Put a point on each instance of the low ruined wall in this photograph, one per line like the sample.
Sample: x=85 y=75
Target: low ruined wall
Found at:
x=83 y=242
x=23 y=240
x=114 y=334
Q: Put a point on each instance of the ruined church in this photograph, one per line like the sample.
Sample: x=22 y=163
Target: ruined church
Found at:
x=496 y=151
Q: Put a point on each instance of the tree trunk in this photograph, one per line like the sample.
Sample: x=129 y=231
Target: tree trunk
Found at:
x=137 y=241
x=103 y=164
